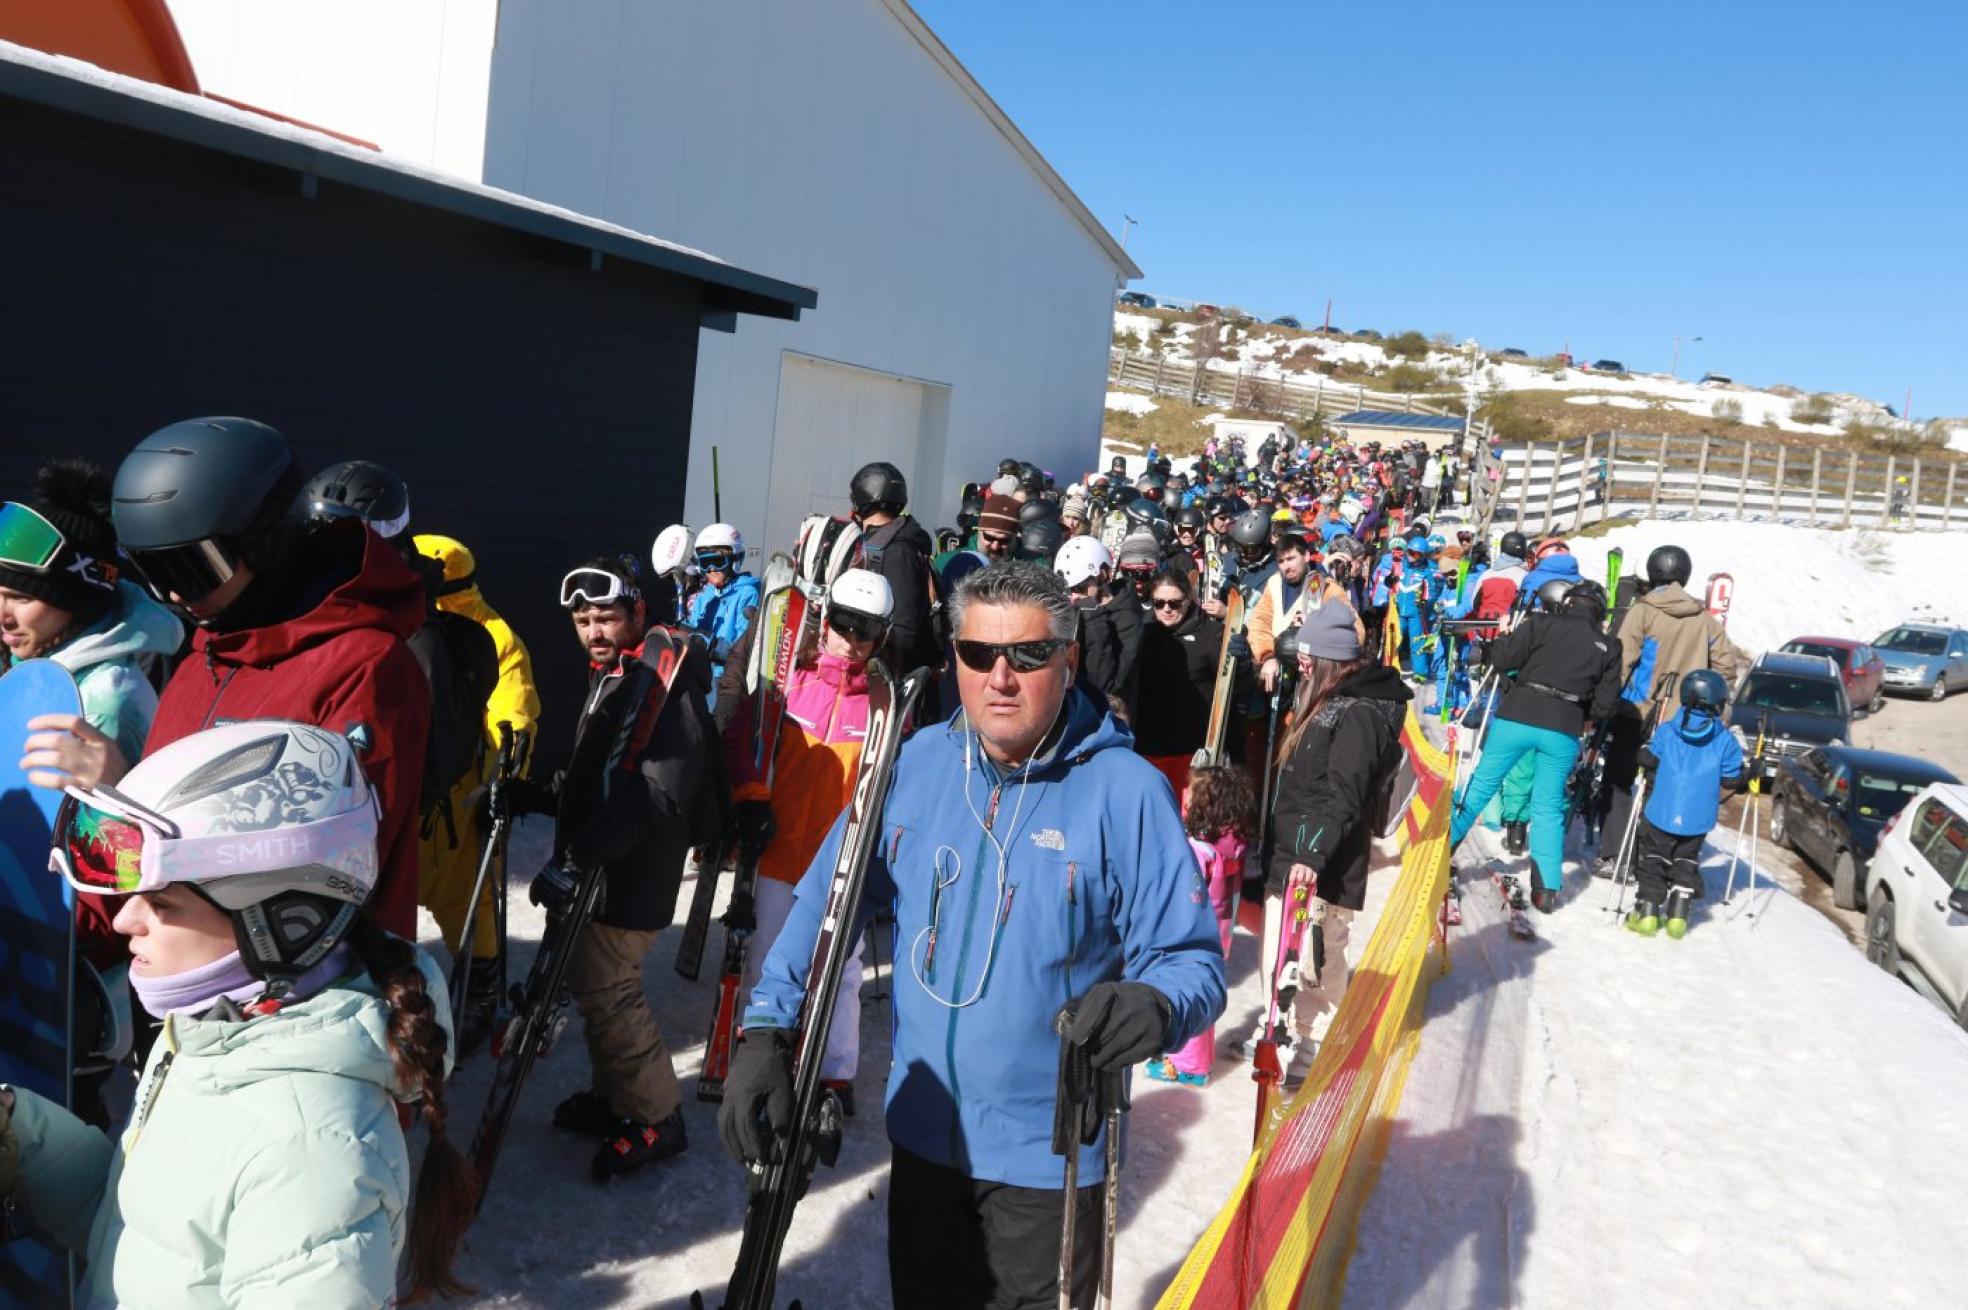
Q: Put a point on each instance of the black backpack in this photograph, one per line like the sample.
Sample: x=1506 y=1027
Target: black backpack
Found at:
x=461 y=662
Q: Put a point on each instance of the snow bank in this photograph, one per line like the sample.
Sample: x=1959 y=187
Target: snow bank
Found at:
x=1754 y=1116
x=1130 y=402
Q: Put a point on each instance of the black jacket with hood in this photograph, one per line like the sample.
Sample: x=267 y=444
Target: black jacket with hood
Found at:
x=1322 y=814
x=1567 y=671
x=1176 y=674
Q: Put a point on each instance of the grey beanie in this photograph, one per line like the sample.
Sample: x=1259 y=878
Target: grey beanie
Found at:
x=1327 y=633
x=1139 y=548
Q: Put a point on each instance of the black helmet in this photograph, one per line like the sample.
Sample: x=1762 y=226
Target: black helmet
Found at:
x=878 y=486
x=1515 y=543
x=1008 y=467
x=1236 y=505
x=1122 y=496
x=1041 y=539
x=1189 y=517
x=1151 y=484
x=1251 y=529
x=1588 y=596
x=1162 y=464
x=1285 y=647
x=1705 y=689
x=1551 y=594
x=973 y=503
x=1145 y=514
x=1669 y=564
x=1038 y=508
x=1117 y=464
x=359 y=488
x=195 y=499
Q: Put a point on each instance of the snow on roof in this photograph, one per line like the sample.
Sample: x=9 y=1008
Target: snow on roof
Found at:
x=1387 y=418
x=74 y=86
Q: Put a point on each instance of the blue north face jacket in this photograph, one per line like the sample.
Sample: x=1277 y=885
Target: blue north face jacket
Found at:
x=1098 y=882
x=722 y=614
x=1697 y=754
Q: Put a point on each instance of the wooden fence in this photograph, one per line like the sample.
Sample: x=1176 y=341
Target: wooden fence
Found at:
x=1228 y=385
x=1564 y=485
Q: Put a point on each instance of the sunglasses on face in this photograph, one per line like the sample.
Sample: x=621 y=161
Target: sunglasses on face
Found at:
x=998 y=539
x=1023 y=656
x=1169 y=603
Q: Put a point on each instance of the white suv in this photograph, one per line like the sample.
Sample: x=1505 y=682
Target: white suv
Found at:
x=1917 y=896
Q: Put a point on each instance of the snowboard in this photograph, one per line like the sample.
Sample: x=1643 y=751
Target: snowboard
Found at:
x=37 y=950
x=1721 y=590
x=1516 y=903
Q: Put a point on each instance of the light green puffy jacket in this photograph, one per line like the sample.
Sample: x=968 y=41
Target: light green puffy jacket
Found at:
x=117 y=700
x=264 y=1166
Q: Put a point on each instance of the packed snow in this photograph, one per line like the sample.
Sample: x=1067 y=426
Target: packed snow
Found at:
x=1130 y=402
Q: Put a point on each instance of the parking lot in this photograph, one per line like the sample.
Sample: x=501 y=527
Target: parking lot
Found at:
x=1936 y=732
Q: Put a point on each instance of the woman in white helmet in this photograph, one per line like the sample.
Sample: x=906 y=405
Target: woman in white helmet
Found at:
x=724 y=606
x=265 y=1162
x=785 y=811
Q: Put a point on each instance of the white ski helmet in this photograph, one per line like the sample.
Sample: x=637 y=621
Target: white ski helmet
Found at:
x=1080 y=561
x=272 y=822
x=671 y=553
x=721 y=536
x=862 y=592
x=827 y=547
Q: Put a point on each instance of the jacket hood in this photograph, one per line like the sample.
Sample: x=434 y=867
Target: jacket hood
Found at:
x=134 y=625
x=384 y=593
x=341 y=1030
x=1672 y=601
x=1377 y=682
x=1085 y=729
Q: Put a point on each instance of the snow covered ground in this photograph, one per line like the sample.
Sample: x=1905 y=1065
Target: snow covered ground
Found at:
x=1754 y=1116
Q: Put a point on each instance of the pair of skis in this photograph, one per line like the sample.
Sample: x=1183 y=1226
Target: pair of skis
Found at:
x=1267 y=1065
x=1217 y=736
x=1516 y=903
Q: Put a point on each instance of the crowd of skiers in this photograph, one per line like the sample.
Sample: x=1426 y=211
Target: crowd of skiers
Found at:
x=1151 y=693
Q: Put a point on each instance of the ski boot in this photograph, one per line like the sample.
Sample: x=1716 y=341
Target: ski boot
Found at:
x=1678 y=902
x=586 y=1112
x=635 y=1145
x=481 y=1012
x=1605 y=867
x=1544 y=899
x=1163 y=1070
x=1644 y=918
x=1516 y=837
x=843 y=1090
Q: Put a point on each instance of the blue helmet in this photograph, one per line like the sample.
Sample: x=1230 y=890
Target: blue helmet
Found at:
x=1418 y=545
x=1705 y=689
x=1437 y=542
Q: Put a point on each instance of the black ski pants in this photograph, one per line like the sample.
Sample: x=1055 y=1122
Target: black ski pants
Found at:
x=1620 y=761
x=1662 y=860
x=960 y=1243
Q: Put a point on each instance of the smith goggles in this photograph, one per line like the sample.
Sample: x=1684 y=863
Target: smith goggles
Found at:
x=595 y=587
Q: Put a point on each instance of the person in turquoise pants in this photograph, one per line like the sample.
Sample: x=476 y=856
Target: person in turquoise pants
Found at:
x=1565 y=673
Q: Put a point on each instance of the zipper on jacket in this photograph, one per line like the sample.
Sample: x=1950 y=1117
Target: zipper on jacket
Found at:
x=212 y=711
x=149 y=1102
x=1072 y=925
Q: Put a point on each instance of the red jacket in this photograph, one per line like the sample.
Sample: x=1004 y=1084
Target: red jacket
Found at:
x=342 y=663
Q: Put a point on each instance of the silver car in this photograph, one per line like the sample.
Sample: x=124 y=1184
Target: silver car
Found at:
x=1924 y=659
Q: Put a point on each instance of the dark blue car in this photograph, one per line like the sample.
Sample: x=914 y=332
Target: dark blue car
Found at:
x=1830 y=805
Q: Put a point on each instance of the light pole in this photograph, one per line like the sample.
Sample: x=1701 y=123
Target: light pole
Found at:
x=1675 y=364
x=1127 y=221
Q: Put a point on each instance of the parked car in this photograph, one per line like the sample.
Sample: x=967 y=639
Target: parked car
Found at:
x=1364 y=334
x=1511 y=352
x=1788 y=704
x=1608 y=366
x=1831 y=803
x=1926 y=659
x=1917 y=897
x=1139 y=299
x=1859 y=664
x=1287 y=321
x=1717 y=379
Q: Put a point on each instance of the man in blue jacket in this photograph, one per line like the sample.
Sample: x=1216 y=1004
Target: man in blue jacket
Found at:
x=1063 y=876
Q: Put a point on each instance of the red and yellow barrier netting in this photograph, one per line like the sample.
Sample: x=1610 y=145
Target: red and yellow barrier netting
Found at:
x=1284 y=1236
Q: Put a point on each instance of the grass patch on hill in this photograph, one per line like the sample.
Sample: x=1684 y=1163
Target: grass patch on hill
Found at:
x=1174 y=425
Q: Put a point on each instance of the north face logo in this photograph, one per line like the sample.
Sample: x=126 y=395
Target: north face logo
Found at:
x=1050 y=839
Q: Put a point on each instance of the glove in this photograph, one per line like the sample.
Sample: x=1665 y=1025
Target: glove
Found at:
x=552 y=888
x=1121 y=1024
x=758 y=1095
x=752 y=824
x=534 y=796
x=1240 y=648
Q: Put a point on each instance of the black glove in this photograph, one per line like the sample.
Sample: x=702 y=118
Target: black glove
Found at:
x=752 y=824
x=535 y=795
x=758 y=1095
x=553 y=887
x=1121 y=1023
x=1240 y=648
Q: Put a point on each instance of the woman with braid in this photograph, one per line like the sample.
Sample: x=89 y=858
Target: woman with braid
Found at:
x=264 y=1164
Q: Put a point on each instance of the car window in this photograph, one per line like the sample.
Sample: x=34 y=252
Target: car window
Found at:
x=1834 y=653
x=1792 y=695
x=1948 y=851
x=1926 y=823
x=1867 y=654
x=1881 y=797
x=1914 y=641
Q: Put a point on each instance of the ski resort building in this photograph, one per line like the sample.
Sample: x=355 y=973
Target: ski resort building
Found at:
x=966 y=292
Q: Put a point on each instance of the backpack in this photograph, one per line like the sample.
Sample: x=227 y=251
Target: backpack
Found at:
x=461 y=663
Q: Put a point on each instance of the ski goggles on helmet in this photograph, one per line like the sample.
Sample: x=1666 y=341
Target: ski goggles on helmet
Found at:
x=190 y=572
x=856 y=626
x=107 y=844
x=1023 y=656
x=28 y=542
x=586 y=586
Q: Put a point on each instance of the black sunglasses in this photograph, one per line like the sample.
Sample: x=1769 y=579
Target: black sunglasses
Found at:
x=1175 y=604
x=1023 y=656
x=855 y=626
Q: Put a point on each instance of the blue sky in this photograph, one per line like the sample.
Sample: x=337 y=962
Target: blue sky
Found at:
x=1787 y=181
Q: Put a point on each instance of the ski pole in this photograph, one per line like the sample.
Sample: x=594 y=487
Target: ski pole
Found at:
x=1629 y=843
x=1742 y=824
x=501 y=823
x=1114 y=1100
x=1069 y=1107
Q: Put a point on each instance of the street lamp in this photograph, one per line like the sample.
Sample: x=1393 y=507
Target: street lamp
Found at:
x=1127 y=221
x=1675 y=364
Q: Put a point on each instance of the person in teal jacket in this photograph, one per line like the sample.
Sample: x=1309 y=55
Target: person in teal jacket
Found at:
x=724 y=606
x=264 y=1165
x=1031 y=860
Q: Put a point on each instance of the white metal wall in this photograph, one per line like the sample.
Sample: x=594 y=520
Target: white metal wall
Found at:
x=891 y=418
x=820 y=142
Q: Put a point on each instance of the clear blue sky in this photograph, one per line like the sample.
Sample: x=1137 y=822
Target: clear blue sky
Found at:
x=1788 y=181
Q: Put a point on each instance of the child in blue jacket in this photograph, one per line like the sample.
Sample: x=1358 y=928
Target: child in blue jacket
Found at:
x=1693 y=758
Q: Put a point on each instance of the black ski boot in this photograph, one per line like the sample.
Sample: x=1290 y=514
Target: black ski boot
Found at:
x=634 y=1145
x=586 y=1112
x=481 y=1012
x=1516 y=837
x=1543 y=899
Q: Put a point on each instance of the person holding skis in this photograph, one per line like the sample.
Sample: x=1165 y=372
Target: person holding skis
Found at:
x=725 y=605
x=1685 y=637
x=894 y=545
x=266 y=1162
x=1179 y=650
x=787 y=811
x=1342 y=749
x=639 y=834
x=1566 y=674
x=1060 y=822
x=1693 y=758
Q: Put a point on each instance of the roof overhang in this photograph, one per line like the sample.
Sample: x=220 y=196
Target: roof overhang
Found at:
x=314 y=157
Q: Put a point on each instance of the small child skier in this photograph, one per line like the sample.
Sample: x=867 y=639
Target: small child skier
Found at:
x=1693 y=758
x=1219 y=815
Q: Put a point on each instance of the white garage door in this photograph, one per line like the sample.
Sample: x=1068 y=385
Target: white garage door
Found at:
x=832 y=419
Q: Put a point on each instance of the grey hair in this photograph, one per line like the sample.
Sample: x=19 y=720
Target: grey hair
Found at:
x=1017 y=582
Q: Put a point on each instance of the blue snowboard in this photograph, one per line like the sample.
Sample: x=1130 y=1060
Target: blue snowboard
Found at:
x=37 y=948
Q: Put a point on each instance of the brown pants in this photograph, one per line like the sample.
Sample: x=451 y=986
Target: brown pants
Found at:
x=631 y=1065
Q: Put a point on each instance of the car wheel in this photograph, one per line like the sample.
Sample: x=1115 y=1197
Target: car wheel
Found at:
x=1845 y=882
x=1882 y=948
x=1878 y=703
x=1939 y=690
x=1780 y=826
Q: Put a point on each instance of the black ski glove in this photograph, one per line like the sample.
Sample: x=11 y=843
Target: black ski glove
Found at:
x=553 y=887
x=535 y=795
x=1121 y=1023
x=758 y=1095
x=752 y=825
